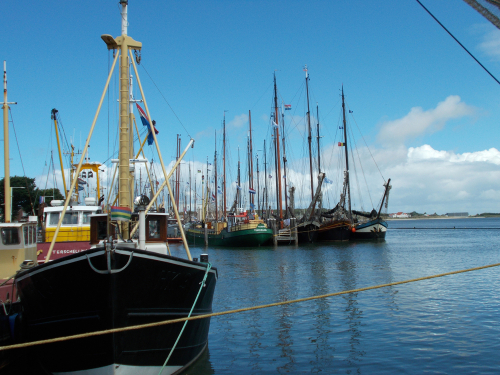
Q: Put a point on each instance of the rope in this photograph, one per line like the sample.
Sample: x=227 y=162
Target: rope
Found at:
x=157 y=324
x=189 y=315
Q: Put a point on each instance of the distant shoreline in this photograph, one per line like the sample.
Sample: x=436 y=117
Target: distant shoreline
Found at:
x=438 y=218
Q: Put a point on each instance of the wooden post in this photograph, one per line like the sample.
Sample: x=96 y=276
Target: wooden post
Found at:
x=206 y=234
x=293 y=230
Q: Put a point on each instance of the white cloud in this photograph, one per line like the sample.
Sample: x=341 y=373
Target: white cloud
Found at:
x=491 y=44
x=239 y=121
x=419 y=122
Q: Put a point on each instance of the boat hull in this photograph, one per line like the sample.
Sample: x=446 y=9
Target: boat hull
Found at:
x=371 y=230
x=71 y=296
x=307 y=233
x=334 y=231
x=254 y=237
x=61 y=249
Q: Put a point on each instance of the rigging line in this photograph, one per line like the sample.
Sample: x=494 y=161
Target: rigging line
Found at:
x=351 y=134
x=368 y=148
x=461 y=45
x=154 y=83
x=22 y=164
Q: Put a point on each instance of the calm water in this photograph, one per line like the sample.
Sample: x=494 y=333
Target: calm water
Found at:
x=448 y=325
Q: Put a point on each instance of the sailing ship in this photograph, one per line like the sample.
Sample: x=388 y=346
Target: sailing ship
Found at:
x=236 y=229
x=121 y=281
x=338 y=223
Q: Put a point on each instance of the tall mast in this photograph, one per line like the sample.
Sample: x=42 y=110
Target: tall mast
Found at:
x=215 y=187
x=54 y=112
x=224 y=162
x=190 y=190
x=346 y=154
x=317 y=128
x=6 y=181
x=265 y=180
x=278 y=149
x=258 y=185
x=309 y=132
x=284 y=162
x=238 y=190
x=250 y=182
x=124 y=144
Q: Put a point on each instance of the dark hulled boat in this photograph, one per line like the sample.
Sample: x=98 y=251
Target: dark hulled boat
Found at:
x=111 y=288
x=121 y=282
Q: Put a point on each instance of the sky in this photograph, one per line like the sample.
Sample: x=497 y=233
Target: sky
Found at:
x=422 y=108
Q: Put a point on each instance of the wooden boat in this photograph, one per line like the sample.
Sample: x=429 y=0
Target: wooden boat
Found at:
x=122 y=280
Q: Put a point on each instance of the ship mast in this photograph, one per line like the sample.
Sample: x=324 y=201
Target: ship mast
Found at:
x=250 y=174
x=6 y=181
x=309 y=134
x=346 y=155
x=284 y=162
x=224 y=163
x=277 y=140
x=215 y=186
x=317 y=129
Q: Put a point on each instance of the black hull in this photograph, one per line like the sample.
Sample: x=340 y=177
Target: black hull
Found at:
x=307 y=233
x=334 y=231
x=68 y=296
x=368 y=236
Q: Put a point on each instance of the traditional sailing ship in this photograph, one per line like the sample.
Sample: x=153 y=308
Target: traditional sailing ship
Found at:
x=124 y=280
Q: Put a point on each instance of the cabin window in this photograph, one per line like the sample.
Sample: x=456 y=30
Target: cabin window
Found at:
x=86 y=217
x=31 y=231
x=70 y=218
x=26 y=236
x=10 y=236
x=154 y=229
x=54 y=218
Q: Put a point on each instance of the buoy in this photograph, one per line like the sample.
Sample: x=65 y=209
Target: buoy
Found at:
x=353 y=229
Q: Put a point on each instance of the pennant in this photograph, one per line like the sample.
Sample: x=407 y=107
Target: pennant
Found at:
x=145 y=122
x=120 y=213
x=251 y=191
x=275 y=124
x=199 y=170
x=341 y=127
x=350 y=111
x=270 y=176
x=81 y=181
x=341 y=144
x=213 y=197
x=288 y=107
x=328 y=181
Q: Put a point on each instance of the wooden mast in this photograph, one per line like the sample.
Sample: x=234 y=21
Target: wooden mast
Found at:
x=250 y=182
x=284 y=162
x=224 y=163
x=215 y=186
x=317 y=129
x=6 y=181
x=278 y=150
x=309 y=133
x=346 y=154
x=54 y=112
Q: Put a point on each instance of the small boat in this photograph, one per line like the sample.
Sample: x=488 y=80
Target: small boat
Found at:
x=375 y=227
x=122 y=279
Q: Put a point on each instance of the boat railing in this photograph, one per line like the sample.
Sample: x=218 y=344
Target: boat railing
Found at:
x=251 y=224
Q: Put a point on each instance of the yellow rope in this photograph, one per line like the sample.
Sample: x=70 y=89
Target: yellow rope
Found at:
x=164 y=322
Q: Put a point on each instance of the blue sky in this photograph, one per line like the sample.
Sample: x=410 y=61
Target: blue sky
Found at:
x=428 y=113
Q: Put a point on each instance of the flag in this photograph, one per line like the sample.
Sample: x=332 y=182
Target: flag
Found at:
x=202 y=177
x=270 y=176
x=42 y=199
x=275 y=124
x=238 y=187
x=219 y=191
x=341 y=144
x=284 y=176
x=209 y=163
x=328 y=181
x=80 y=188
x=213 y=197
x=288 y=107
x=251 y=191
x=145 y=122
x=199 y=170
x=187 y=183
x=120 y=213
x=341 y=127
x=350 y=111
x=81 y=182
x=252 y=206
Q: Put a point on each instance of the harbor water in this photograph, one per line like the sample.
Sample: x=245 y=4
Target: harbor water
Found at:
x=446 y=325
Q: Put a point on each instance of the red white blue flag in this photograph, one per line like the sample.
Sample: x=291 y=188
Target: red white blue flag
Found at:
x=251 y=191
x=288 y=107
x=145 y=122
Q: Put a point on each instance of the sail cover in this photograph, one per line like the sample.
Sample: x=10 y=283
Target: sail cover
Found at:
x=490 y=9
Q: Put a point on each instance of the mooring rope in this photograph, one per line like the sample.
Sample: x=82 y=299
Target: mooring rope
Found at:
x=202 y=285
x=164 y=322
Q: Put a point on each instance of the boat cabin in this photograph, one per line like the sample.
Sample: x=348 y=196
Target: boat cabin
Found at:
x=75 y=225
